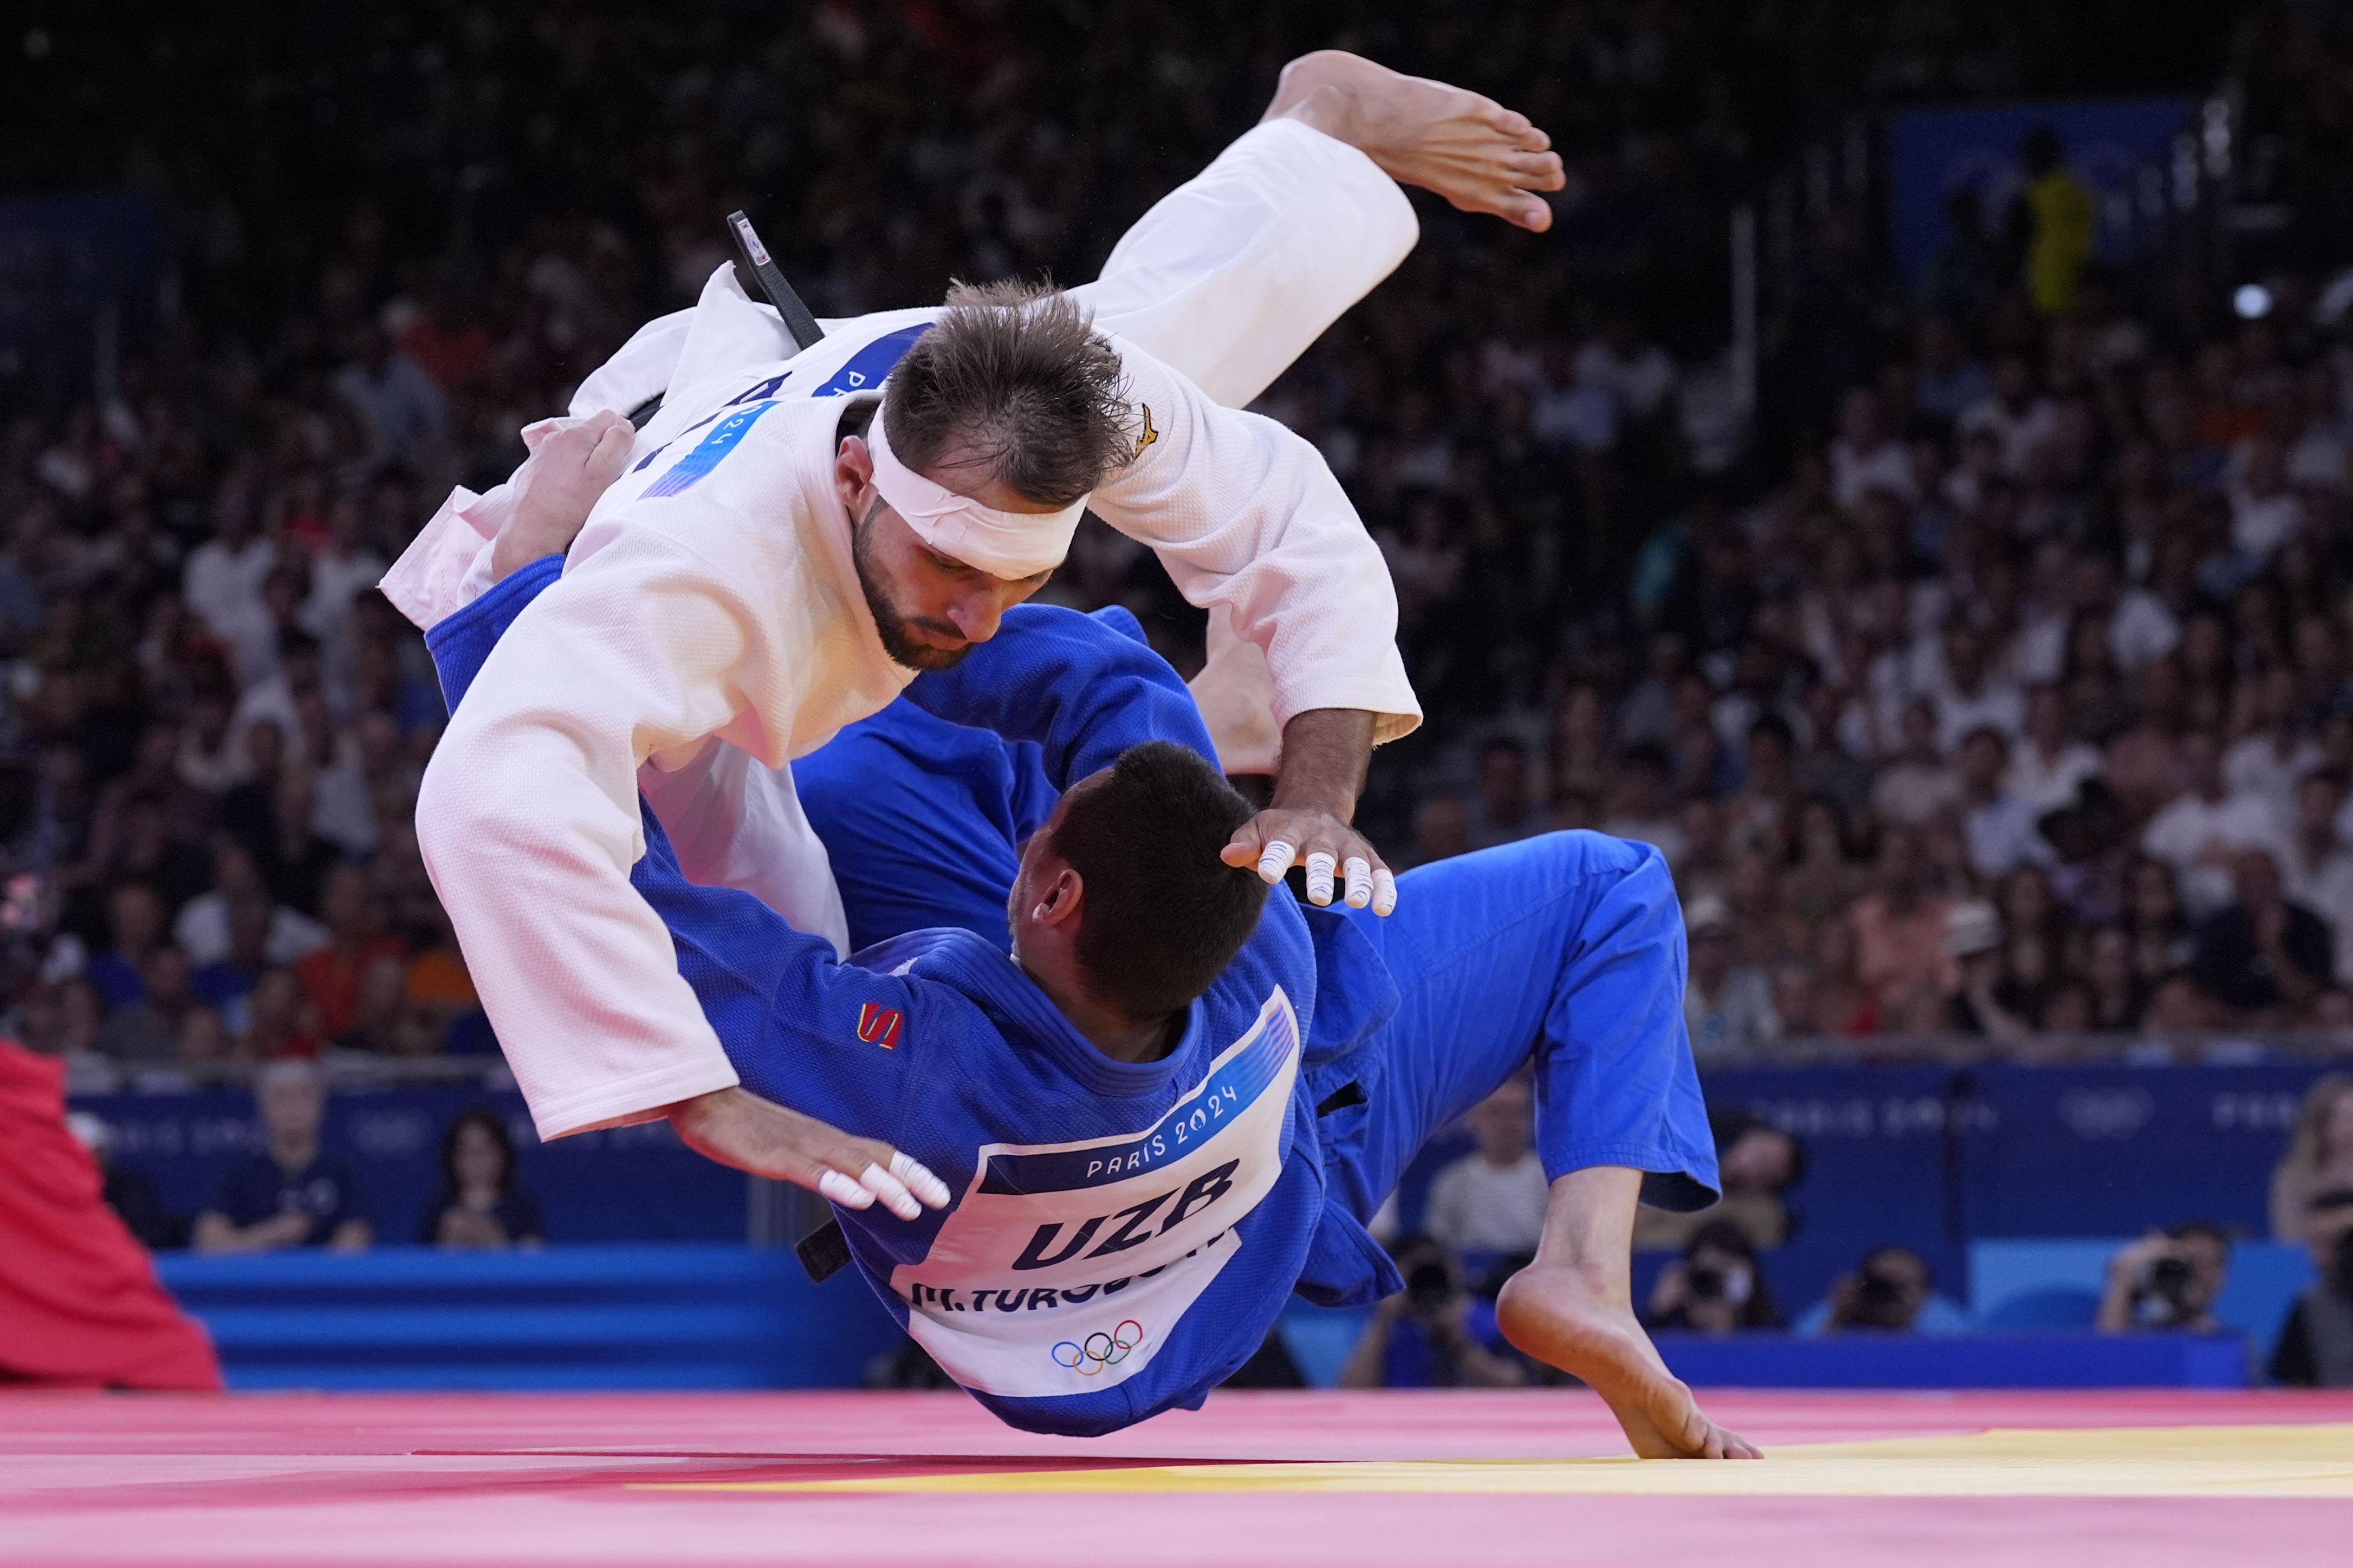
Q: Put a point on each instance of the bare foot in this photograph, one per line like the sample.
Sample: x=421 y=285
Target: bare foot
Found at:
x=1479 y=155
x=1558 y=1316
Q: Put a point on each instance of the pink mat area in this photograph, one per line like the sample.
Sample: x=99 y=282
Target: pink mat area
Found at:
x=457 y=1479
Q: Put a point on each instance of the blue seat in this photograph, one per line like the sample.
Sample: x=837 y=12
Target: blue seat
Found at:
x=2055 y=1308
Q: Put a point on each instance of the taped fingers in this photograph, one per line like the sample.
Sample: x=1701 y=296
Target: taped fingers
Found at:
x=1275 y=860
x=1384 y=891
x=920 y=1181
x=1360 y=872
x=842 y=1190
x=1320 y=863
x=892 y=1191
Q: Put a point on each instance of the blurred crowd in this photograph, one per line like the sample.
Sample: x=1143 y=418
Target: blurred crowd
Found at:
x=1713 y=1273
x=1998 y=685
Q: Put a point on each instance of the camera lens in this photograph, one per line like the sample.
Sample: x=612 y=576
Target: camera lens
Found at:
x=1428 y=1286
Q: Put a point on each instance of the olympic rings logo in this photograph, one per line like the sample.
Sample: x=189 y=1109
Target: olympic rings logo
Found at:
x=1100 y=1350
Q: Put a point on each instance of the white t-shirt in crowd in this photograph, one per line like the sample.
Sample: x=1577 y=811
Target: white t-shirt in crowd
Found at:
x=2254 y=766
x=1478 y=1208
x=2018 y=433
x=2049 y=784
x=1887 y=467
x=2325 y=887
x=2182 y=829
x=2261 y=524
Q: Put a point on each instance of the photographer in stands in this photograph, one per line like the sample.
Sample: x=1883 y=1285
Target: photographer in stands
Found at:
x=2168 y=1281
x=1716 y=1288
x=1429 y=1334
x=1892 y=1292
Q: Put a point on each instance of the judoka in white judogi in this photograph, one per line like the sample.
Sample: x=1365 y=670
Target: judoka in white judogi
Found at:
x=709 y=626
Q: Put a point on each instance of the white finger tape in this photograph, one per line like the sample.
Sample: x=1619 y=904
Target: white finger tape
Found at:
x=891 y=1190
x=919 y=1178
x=1319 y=877
x=1383 y=892
x=1360 y=881
x=1276 y=860
x=833 y=1184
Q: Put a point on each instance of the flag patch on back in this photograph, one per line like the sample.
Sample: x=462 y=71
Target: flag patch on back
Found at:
x=879 y=1026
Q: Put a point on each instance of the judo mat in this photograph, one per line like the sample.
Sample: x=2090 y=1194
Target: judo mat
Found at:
x=1485 y=1479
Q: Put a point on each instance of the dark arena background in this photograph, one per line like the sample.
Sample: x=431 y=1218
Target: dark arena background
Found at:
x=1908 y=484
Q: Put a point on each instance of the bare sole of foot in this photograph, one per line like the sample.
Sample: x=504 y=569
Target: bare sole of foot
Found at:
x=1554 y=1315
x=1479 y=155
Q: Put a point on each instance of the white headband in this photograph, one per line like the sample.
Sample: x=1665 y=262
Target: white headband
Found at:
x=1008 y=544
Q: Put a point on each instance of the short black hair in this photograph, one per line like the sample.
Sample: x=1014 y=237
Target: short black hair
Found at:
x=1163 y=914
x=1015 y=380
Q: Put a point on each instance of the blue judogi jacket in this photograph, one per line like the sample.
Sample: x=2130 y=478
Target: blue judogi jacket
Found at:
x=1123 y=1236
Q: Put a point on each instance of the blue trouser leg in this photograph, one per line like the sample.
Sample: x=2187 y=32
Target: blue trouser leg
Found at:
x=1566 y=951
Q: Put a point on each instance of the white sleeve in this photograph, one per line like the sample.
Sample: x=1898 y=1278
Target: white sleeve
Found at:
x=528 y=815
x=1248 y=516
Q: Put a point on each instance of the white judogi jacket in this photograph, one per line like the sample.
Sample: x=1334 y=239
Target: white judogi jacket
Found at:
x=710 y=618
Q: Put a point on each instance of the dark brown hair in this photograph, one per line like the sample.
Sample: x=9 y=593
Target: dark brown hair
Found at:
x=1013 y=380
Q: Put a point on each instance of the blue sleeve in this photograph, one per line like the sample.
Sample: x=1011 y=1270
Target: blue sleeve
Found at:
x=790 y=1016
x=1082 y=689
x=459 y=642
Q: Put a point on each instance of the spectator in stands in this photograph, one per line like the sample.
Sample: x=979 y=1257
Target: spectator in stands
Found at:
x=1492 y=1201
x=1715 y=1288
x=294 y=1192
x=2155 y=922
x=2197 y=834
x=335 y=976
x=2062 y=221
x=1727 y=1006
x=1916 y=783
x=2318 y=862
x=228 y=980
x=481 y=1204
x=135 y=930
x=2167 y=1279
x=2263 y=957
x=1901 y=929
x=1433 y=1333
x=2320 y=1157
x=1640 y=808
x=1892 y=1291
x=1441 y=830
x=2049 y=765
x=280 y=1020
x=147 y=1030
x=1971 y=696
x=2113 y=991
x=1985 y=1004
x=203 y=1041
x=1758 y=1163
x=2316 y=1345
x=1503 y=810
x=1866 y=456
x=2002 y=835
